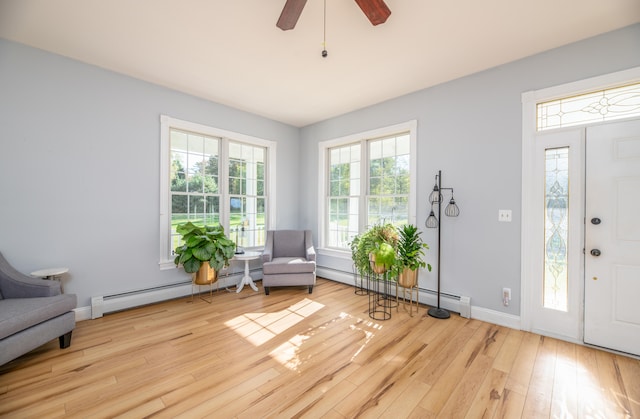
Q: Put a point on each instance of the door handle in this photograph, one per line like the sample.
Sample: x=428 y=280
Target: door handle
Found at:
x=595 y=252
x=595 y=221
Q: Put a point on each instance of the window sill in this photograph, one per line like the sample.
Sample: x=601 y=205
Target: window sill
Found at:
x=166 y=264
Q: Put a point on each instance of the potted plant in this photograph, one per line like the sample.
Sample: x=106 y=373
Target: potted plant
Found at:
x=410 y=255
x=375 y=249
x=205 y=251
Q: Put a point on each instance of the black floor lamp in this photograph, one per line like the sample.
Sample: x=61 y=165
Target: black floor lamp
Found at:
x=451 y=210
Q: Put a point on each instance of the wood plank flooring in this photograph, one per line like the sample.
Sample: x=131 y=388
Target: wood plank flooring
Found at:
x=294 y=355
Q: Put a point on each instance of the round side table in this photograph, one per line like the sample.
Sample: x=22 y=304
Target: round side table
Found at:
x=51 y=273
x=246 y=279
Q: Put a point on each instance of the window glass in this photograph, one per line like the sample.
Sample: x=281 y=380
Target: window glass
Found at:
x=383 y=196
x=193 y=180
x=603 y=105
x=556 y=225
x=344 y=188
x=247 y=194
x=389 y=178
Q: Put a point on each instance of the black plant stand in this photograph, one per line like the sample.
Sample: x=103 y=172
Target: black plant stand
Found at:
x=358 y=282
x=379 y=298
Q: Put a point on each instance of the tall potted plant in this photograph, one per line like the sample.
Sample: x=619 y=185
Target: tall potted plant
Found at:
x=205 y=251
x=410 y=255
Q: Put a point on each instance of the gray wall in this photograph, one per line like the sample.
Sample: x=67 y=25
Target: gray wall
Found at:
x=79 y=164
x=471 y=129
x=79 y=169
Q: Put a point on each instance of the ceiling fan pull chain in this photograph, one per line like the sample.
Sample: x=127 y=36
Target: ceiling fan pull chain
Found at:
x=324 y=33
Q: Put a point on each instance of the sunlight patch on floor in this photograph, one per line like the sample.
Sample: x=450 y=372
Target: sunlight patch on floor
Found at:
x=288 y=354
x=360 y=326
x=594 y=399
x=258 y=328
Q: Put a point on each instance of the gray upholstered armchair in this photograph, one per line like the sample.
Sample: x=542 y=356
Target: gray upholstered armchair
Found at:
x=32 y=312
x=289 y=259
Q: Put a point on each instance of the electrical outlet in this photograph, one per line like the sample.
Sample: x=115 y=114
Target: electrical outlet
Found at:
x=506 y=296
x=504 y=216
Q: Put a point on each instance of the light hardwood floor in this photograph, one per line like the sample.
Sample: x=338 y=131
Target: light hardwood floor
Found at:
x=291 y=354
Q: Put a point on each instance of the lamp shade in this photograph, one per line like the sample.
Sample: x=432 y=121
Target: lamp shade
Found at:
x=432 y=221
x=434 y=198
x=452 y=209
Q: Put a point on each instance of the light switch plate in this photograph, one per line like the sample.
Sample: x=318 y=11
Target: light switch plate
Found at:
x=504 y=216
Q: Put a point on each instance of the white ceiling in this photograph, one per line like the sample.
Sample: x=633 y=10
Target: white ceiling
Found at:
x=231 y=52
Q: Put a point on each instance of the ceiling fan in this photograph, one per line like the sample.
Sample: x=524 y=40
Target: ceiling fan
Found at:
x=376 y=11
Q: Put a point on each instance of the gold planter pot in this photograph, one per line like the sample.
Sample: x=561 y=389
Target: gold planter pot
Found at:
x=206 y=275
x=379 y=269
x=408 y=280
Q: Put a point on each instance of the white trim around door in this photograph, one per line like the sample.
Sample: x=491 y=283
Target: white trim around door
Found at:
x=532 y=202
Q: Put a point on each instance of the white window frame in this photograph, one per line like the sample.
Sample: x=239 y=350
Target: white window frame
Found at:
x=323 y=165
x=166 y=124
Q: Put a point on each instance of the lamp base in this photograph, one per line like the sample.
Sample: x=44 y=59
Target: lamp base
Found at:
x=439 y=313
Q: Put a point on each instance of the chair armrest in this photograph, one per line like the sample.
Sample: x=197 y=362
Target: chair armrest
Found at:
x=27 y=287
x=311 y=254
x=15 y=284
x=308 y=245
x=267 y=252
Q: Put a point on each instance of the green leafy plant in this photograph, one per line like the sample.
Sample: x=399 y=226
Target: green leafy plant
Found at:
x=379 y=243
x=411 y=248
x=203 y=244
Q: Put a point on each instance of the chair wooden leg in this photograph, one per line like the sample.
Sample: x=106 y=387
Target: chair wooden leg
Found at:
x=266 y=290
x=65 y=340
x=310 y=289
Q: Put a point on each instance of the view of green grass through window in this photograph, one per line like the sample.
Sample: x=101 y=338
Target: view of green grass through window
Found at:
x=196 y=191
x=384 y=193
x=247 y=201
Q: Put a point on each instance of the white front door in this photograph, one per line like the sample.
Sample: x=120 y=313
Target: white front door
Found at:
x=612 y=237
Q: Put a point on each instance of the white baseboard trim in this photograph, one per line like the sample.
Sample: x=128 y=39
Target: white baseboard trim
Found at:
x=83 y=313
x=451 y=303
x=495 y=317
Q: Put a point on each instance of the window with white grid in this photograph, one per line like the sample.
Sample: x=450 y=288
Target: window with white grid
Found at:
x=367 y=179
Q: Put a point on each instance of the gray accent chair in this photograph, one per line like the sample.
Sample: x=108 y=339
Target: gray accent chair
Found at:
x=289 y=259
x=32 y=312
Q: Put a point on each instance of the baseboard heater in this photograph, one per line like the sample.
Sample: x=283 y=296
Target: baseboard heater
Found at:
x=117 y=302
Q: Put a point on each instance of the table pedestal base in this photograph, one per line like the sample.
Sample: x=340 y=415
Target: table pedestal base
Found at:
x=246 y=279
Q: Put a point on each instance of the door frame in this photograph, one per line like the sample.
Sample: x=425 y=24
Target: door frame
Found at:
x=529 y=248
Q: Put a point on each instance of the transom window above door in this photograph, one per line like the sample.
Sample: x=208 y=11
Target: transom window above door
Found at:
x=602 y=105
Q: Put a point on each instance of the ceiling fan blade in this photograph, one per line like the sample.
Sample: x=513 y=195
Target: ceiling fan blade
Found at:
x=376 y=10
x=290 y=14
